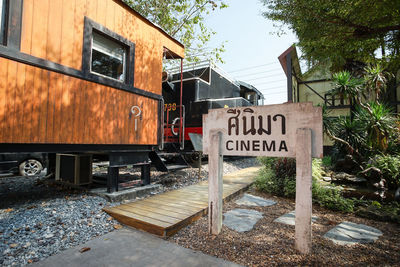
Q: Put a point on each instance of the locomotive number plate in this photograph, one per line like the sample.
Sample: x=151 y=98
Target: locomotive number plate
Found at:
x=170 y=106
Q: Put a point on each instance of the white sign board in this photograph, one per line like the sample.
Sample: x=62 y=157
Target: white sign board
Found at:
x=264 y=130
x=287 y=130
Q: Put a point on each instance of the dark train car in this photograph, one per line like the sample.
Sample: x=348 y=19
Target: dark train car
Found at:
x=205 y=87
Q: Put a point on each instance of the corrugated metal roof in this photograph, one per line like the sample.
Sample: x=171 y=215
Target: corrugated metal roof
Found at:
x=251 y=87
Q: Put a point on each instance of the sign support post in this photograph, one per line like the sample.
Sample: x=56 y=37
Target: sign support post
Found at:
x=215 y=186
x=303 y=210
x=292 y=130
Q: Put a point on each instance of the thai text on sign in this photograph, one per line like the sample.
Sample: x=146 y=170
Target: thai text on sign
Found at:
x=264 y=130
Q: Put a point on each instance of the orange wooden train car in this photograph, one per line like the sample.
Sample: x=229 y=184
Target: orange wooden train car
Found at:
x=80 y=75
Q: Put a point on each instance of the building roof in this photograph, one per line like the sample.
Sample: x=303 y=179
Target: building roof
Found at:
x=295 y=60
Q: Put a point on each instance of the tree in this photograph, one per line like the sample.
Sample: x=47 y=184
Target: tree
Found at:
x=183 y=20
x=342 y=31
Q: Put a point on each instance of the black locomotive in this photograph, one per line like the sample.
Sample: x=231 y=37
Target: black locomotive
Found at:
x=199 y=89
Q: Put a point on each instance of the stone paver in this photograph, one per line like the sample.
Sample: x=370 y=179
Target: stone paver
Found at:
x=348 y=233
x=253 y=201
x=241 y=220
x=289 y=218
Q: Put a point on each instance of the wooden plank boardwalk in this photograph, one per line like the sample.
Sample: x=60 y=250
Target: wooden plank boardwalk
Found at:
x=167 y=213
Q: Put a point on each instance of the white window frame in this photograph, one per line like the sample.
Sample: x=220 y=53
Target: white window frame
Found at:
x=124 y=66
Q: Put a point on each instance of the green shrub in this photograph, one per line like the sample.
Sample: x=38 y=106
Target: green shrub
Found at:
x=279 y=177
x=388 y=212
x=390 y=168
x=317 y=169
x=264 y=181
x=327 y=161
x=331 y=198
x=289 y=187
x=266 y=161
x=268 y=181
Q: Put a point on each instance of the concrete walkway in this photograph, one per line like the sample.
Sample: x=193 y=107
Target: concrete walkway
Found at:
x=130 y=247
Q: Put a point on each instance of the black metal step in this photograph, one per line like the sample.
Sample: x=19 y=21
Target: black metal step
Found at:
x=157 y=162
x=176 y=167
x=168 y=155
x=157 y=159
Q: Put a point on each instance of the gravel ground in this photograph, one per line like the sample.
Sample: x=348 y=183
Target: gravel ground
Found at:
x=272 y=244
x=40 y=219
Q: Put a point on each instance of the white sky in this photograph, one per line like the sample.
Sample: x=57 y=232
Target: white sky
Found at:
x=250 y=43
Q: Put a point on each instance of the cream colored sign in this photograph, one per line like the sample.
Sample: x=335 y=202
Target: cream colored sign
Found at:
x=264 y=130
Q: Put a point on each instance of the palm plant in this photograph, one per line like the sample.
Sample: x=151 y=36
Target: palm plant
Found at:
x=342 y=130
x=375 y=80
x=350 y=131
x=379 y=124
x=346 y=86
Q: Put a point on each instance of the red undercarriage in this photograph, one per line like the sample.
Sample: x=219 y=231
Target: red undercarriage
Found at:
x=170 y=137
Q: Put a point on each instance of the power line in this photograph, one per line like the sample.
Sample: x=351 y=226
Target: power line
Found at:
x=273 y=91
x=259 y=78
x=272 y=73
x=276 y=87
x=252 y=74
x=276 y=93
x=253 y=67
x=269 y=82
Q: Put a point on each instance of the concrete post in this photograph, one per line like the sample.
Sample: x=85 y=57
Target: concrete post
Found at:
x=303 y=233
x=215 y=184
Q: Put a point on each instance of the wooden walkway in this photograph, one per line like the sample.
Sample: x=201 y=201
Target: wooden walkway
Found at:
x=166 y=213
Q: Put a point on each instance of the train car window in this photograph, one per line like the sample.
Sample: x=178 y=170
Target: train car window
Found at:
x=3 y=18
x=108 y=57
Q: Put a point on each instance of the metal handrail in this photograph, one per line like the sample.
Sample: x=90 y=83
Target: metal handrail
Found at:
x=191 y=66
x=168 y=125
x=161 y=146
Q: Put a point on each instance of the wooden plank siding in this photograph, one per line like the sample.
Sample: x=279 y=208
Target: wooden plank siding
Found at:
x=42 y=106
x=49 y=24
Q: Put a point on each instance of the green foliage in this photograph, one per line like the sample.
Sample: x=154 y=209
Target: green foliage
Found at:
x=327 y=161
x=331 y=198
x=371 y=131
x=389 y=165
x=372 y=128
x=375 y=80
x=317 y=169
x=350 y=132
x=376 y=204
x=388 y=212
x=266 y=161
x=283 y=183
x=278 y=176
x=345 y=85
x=184 y=20
x=350 y=30
x=379 y=125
